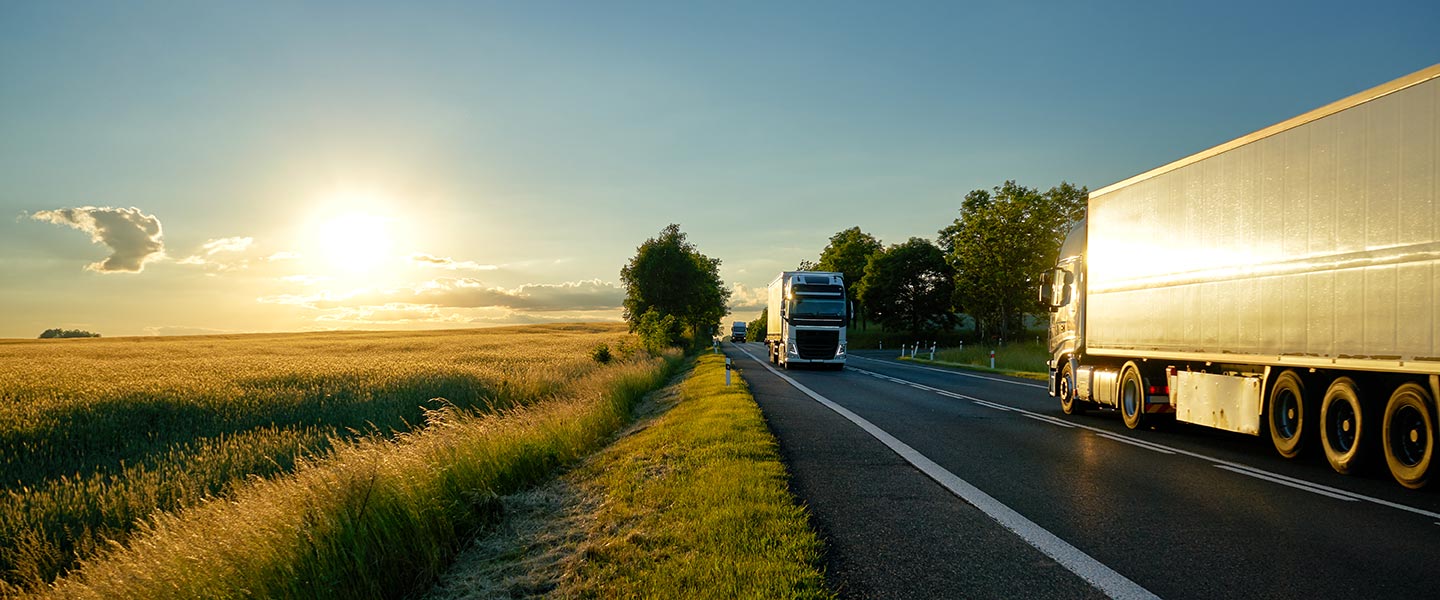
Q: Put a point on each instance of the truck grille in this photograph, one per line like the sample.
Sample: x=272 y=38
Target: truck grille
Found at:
x=817 y=344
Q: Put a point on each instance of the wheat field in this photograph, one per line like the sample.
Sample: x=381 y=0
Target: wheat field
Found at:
x=107 y=443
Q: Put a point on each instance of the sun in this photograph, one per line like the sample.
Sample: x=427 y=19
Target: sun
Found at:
x=355 y=242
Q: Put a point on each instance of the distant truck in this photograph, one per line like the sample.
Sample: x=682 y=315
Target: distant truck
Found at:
x=807 y=316
x=737 y=331
x=1286 y=283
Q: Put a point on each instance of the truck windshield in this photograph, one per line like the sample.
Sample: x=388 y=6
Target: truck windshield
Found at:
x=817 y=307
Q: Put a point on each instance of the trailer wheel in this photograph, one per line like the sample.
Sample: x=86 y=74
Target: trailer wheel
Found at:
x=1289 y=411
x=1408 y=435
x=1069 y=404
x=1343 y=429
x=1132 y=396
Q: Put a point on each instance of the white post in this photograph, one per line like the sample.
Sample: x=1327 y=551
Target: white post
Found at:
x=992 y=359
x=727 y=372
x=932 y=350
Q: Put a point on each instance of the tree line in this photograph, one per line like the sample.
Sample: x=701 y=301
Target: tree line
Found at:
x=984 y=264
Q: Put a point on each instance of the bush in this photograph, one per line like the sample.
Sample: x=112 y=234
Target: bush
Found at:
x=601 y=353
x=659 y=332
x=50 y=334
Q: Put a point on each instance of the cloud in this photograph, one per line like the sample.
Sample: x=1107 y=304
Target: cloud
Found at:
x=589 y=295
x=285 y=255
x=450 y=264
x=132 y=236
x=165 y=330
x=745 y=298
x=229 y=245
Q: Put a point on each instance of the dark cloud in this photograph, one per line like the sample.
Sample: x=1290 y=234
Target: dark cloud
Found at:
x=132 y=236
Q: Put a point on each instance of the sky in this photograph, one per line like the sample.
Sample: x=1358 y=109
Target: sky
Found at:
x=192 y=167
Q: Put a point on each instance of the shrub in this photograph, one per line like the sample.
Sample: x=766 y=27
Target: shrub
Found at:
x=601 y=353
x=659 y=332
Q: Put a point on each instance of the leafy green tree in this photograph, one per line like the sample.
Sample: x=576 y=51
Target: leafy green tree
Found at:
x=755 y=331
x=66 y=333
x=909 y=286
x=669 y=277
x=848 y=253
x=806 y=265
x=1002 y=241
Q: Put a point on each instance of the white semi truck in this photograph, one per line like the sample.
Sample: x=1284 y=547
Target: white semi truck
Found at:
x=1286 y=283
x=807 y=313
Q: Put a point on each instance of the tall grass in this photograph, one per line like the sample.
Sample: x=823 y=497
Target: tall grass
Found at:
x=1025 y=357
x=696 y=505
x=96 y=435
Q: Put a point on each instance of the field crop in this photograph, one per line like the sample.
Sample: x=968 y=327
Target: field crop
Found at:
x=101 y=438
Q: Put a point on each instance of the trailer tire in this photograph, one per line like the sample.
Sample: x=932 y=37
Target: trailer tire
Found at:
x=1069 y=404
x=1289 y=414
x=1343 y=428
x=1132 y=396
x=1408 y=435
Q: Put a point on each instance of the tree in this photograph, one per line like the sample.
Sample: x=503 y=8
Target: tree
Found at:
x=66 y=333
x=670 y=277
x=755 y=331
x=848 y=253
x=909 y=286
x=1002 y=241
x=806 y=265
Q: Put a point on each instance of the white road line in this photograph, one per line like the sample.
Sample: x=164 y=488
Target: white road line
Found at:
x=1049 y=421
x=990 y=405
x=1125 y=440
x=953 y=372
x=1104 y=578
x=1311 y=489
x=1261 y=474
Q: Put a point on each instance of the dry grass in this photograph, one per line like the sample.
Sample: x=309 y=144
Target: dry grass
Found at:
x=693 y=504
x=98 y=435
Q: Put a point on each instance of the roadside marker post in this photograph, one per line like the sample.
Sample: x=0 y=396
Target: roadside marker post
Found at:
x=992 y=359
x=932 y=350
x=728 y=366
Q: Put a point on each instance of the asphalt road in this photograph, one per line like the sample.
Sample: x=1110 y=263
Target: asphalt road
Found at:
x=946 y=484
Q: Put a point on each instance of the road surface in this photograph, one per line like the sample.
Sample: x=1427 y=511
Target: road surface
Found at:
x=935 y=483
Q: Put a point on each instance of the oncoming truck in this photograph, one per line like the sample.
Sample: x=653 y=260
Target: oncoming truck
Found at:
x=807 y=312
x=1284 y=284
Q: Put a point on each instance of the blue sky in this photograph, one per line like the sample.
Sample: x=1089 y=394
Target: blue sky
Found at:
x=323 y=165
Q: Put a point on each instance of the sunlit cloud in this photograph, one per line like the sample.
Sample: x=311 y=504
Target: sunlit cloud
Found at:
x=283 y=256
x=449 y=264
x=164 y=330
x=463 y=301
x=132 y=236
x=207 y=255
x=746 y=298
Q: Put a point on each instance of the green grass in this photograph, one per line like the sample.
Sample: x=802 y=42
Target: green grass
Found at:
x=696 y=505
x=97 y=435
x=1022 y=359
x=376 y=517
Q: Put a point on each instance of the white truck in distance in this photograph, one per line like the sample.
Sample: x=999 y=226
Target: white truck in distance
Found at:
x=1286 y=284
x=807 y=312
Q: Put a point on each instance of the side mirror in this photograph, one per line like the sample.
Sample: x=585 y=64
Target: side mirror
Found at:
x=1055 y=288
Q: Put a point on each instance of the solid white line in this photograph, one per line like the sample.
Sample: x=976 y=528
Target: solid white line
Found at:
x=1217 y=462
x=953 y=372
x=1124 y=440
x=1093 y=571
x=1313 y=490
x=992 y=406
x=1048 y=421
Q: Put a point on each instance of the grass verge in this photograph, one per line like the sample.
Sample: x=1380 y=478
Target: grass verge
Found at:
x=1017 y=360
x=693 y=504
x=377 y=518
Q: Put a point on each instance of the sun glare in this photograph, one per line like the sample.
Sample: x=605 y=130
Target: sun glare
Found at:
x=355 y=242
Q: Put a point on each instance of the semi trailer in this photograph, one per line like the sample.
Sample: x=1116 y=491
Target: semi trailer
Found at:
x=807 y=313
x=737 y=331
x=1284 y=284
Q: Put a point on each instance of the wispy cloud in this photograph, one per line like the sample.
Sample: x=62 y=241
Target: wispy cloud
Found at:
x=449 y=264
x=132 y=236
x=209 y=250
x=461 y=301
